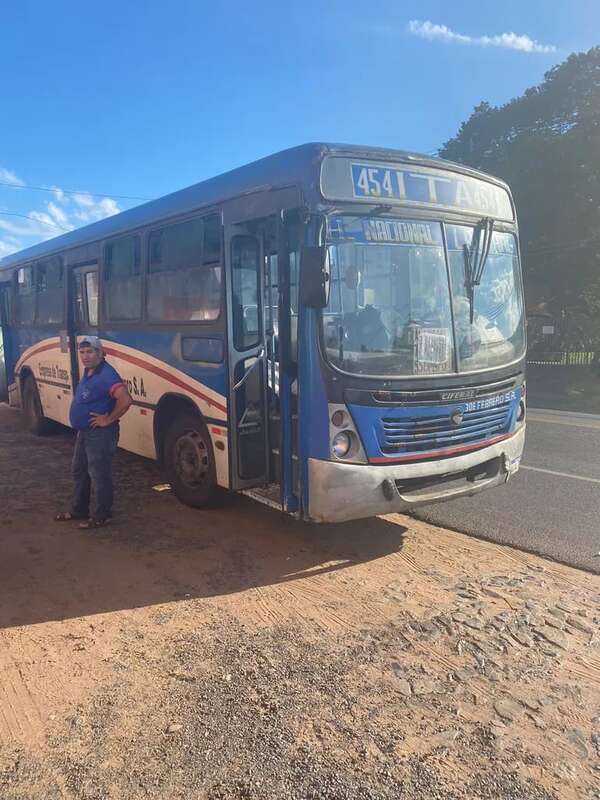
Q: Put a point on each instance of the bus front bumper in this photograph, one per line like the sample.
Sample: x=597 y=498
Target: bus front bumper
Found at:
x=340 y=492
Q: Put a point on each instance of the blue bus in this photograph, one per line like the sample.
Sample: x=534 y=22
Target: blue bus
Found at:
x=337 y=331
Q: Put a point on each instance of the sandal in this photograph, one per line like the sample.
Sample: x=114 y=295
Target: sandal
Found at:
x=67 y=516
x=92 y=523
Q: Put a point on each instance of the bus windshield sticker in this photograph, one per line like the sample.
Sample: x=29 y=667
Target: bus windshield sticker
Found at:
x=366 y=230
x=344 y=179
x=432 y=346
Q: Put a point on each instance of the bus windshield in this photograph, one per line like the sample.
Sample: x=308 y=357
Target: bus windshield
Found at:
x=391 y=307
x=497 y=335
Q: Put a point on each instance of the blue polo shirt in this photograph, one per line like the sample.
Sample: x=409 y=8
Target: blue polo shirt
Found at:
x=94 y=393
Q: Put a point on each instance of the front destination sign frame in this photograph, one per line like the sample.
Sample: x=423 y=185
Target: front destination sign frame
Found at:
x=406 y=184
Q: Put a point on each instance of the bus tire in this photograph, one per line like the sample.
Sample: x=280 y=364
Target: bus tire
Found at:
x=35 y=421
x=189 y=461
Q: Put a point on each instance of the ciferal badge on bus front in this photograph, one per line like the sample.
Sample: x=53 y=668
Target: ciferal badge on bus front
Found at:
x=460 y=394
x=393 y=183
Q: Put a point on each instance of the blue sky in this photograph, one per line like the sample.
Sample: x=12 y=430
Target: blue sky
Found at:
x=144 y=98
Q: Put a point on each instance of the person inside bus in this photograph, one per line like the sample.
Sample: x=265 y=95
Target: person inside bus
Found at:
x=100 y=400
x=365 y=331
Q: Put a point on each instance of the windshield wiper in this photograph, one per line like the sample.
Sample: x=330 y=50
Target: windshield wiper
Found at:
x=476 y=256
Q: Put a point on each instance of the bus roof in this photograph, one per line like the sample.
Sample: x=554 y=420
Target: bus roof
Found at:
x=297 y=165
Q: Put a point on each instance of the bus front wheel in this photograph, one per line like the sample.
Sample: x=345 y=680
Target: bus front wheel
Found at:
x=189 y=461
x=35 y=420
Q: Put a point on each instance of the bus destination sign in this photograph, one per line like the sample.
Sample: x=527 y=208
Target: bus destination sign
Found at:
x=379 y=231
x=346 y=179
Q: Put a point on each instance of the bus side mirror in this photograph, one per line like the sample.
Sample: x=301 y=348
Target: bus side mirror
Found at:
x=314 y=276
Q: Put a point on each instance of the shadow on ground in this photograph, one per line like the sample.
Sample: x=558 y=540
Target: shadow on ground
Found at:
x=157 y=551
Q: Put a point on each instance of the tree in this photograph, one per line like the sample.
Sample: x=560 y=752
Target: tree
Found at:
x=546 y=145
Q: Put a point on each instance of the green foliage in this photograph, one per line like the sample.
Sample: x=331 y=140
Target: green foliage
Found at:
x=546 y=145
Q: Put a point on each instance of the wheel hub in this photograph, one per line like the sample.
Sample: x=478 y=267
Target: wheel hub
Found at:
x=191 y=458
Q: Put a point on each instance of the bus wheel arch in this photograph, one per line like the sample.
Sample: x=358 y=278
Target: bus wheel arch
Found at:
x=31 y=404
x=168 y=408
x=184 y=447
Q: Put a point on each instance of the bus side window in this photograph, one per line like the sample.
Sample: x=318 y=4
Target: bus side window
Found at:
x=122 y=279
x=49 y=282
x=294 y=276
x=78 y=300
x=271 y=302
x=184 y=272
x=245 y=287
x=211 y=248
x=91 y=290
x=6 y=303
x=25 y=296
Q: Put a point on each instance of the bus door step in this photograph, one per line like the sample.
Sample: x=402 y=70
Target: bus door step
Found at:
x=269 y=495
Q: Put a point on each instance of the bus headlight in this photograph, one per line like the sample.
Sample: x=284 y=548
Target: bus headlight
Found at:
x=344 y=440
x=339 y=418
x=341 y=444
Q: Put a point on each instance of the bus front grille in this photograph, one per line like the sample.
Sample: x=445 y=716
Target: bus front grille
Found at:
x=437 y=431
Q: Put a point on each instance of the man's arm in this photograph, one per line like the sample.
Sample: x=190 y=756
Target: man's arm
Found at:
x=122 y=402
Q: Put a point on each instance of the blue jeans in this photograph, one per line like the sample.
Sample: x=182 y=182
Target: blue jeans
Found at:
x=92 y=466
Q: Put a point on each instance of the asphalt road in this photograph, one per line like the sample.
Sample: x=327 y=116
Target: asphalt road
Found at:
x=552 y=506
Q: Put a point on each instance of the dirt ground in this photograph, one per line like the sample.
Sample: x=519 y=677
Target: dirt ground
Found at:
x=236 y=653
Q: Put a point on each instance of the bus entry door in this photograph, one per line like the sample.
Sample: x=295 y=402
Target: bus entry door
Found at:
x=83 y=311
x=248 y=437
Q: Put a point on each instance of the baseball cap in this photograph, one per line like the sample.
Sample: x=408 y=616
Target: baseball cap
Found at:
x=91 y=341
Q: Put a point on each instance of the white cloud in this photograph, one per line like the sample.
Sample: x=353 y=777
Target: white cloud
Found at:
x=57 y=213
x=91 y=210
x=85 y=200
x=46 y=219
x=511 y=41
x=108 y=207
x=58 y=192
x=82 y=217
x=9 y=244
x=6 y=248
x=26 y=229
x=62 y=214
x=7 y=176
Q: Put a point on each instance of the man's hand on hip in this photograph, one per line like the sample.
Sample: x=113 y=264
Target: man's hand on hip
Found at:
x=100 y=420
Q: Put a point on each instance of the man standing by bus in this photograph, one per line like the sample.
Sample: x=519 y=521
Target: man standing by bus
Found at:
x=100 y=400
